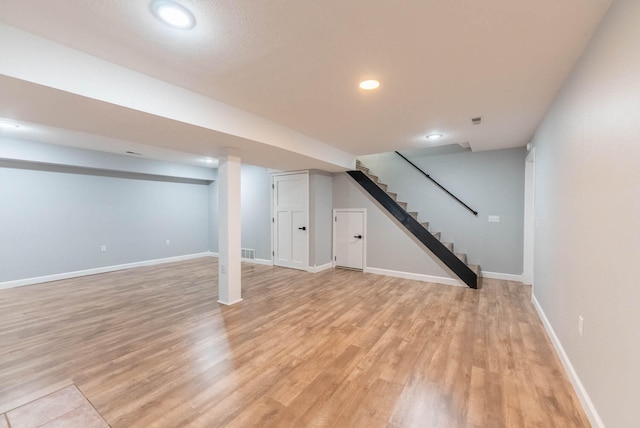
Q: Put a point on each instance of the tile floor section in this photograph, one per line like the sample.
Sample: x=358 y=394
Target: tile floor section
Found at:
x=67 y=408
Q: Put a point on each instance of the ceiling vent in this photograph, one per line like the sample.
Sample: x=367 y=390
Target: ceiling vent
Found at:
x=476 y=120
x=133 y=153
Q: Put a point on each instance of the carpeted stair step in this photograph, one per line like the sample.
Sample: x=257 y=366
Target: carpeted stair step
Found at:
x=462 y=257
x=449 y=246
x=438 y=235
x=402 y=204
x=361 y=167
x=382 y=186
x=394 y=196
x=413 y=214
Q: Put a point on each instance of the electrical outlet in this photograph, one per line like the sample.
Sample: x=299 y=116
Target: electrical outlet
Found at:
x=168 y=242
x=494 y=219
x=103 y=248
x=580 y=325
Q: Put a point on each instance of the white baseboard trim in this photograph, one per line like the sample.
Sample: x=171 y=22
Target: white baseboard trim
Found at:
x=498 y=275
x=258 y=261
x=414 y=276
x=85 y=272
x=229 y=303
x=254 y=261
x=581 y=392
x=316 y=269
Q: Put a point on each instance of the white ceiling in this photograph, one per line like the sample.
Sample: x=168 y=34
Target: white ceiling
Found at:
x=298 y=63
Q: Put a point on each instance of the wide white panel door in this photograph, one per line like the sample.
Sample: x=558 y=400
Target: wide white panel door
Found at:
x=290 y=220
x=348 y=237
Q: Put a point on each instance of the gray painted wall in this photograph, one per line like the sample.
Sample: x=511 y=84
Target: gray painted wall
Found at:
x=55 y=222
x=256 y=210
x=388 y=246
x=213 y=216
x=587 y=208
x=490 y=182
x=59 y=205
x=320 y=213
x=255 y=200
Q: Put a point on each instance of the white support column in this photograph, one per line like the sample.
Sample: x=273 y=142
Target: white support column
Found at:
x=229 y=223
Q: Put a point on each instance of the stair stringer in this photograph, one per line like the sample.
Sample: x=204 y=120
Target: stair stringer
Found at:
x=459 y=268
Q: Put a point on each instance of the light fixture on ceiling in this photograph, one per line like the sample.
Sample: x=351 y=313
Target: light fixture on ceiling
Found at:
x=368 y=85
x=7 y=124
x=433 y=137
x=208 y=160
x=173 y=14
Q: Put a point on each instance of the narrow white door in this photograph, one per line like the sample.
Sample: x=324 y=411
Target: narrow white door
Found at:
x=290 y=220
x=349 y=238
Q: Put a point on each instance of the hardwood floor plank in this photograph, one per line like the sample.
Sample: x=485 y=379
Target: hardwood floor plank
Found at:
x=151 y=347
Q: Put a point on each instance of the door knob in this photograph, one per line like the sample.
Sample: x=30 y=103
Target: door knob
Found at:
x=357 y=236
x=302 y=228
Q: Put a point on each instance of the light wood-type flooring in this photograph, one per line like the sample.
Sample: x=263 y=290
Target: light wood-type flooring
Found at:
x=151 y=347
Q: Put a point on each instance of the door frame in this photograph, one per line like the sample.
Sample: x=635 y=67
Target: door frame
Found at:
x=273 y=214
x=364 y=238
x=528 y=251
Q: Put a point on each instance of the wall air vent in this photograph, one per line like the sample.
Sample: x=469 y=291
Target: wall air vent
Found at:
x=248 y=253
x=476 y=120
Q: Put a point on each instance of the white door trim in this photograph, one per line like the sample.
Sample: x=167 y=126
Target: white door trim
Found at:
x=364 y=238
x=529 y=218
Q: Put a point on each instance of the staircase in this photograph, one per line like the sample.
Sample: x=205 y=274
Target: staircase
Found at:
x=457 y=262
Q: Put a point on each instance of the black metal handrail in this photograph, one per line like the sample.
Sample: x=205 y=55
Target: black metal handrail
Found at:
x=475 y=213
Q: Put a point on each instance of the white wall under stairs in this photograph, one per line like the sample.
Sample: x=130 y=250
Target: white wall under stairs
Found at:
x=390 y=251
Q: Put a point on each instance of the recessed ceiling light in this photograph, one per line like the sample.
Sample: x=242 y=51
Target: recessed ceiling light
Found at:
x=173 y=14
x=433 y=137
x=6 y=124
x=369 y=84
